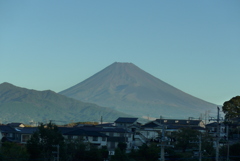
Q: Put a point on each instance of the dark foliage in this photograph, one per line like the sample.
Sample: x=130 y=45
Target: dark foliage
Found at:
x=43 y=142
x=146 y=153
x=122 y=146
x=233 y=152
x=119 y=156
x=13 y=152
x=231 y=108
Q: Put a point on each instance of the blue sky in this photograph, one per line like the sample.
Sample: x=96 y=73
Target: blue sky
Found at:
x=192 y=45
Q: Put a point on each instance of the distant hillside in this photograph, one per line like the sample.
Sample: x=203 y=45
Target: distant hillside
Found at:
x=127 y=88
x=23 y=105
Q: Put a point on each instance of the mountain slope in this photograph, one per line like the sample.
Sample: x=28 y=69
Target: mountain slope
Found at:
x=22 y=105
x=129 y=89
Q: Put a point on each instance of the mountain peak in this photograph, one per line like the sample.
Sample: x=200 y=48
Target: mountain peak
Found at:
x=129 y=89
x=6 y=85
x=123 y=64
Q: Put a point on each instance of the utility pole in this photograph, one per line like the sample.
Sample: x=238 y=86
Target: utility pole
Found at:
x=218 y=133
x=218 y=136
x=163 y=144
x=200 y=147
x=227 y=144
x=56 y=151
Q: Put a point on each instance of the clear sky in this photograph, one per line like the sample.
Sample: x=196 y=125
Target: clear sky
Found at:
x=192 y=45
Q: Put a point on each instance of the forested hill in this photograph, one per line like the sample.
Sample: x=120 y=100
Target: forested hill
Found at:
x=24 y=105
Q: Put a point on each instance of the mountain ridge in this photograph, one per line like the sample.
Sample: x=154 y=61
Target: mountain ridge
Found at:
x=21 y=105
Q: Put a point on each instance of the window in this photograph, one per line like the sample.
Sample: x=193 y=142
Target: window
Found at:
x=10 y=135
x=95 y=138
x=103 y=138
x=75 y=137
x=25 y=138
x=112 y=145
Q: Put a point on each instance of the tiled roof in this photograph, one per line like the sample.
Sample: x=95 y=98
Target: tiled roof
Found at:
x=64 y=130
x=213 y=124
x=90 y=131
x=182 y=126
x=15 y=124
x=117 y=130
x=178 y=122
x=152 y=124
x=102 y=129
x=126 y=120
x=81 y=132
x=105 y=125
x=91 y=128
x=27 y=130
x=7 y=129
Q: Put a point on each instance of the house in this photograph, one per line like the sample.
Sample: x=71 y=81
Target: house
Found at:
x=181 y=122
x=16 y=125
x=7 y=133
x=114 y=134
x=24 y=134
x=152 y=129
x=212 y=129
x=105 y=125
x=92 y=137
x=117 y=135
x=99 y=136
x=124 y=122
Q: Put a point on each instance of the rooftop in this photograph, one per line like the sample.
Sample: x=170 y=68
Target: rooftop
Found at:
x=126 y=120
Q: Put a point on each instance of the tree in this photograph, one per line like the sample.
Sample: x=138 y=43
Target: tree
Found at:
x=77 y=150
x=41 y=145
x=208 y=151
x=231 y=108
x=122 y=146
x=74 y=150
x=13 y=152
x=233 y=152
x=187 y=138
x=119 y=155
x=146 y=152
x=183 y=138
